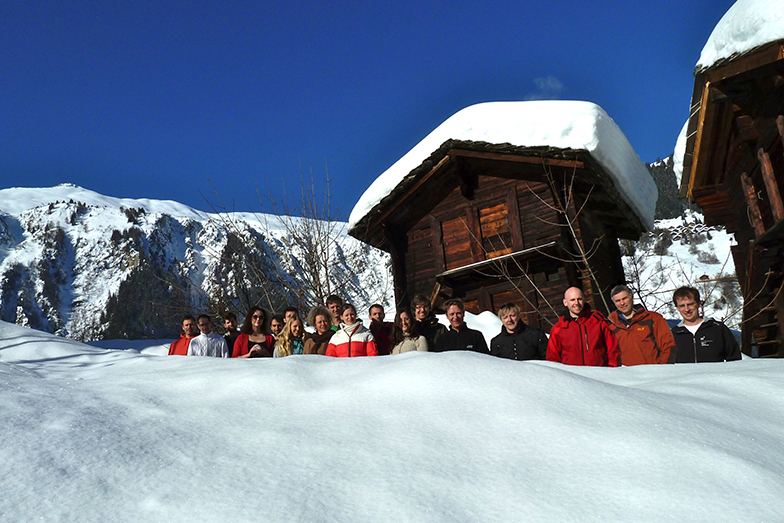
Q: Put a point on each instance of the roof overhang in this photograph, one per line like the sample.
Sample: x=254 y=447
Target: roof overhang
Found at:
x=712 y=111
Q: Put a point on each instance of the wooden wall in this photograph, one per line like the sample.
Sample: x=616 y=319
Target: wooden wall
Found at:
x=454 y=234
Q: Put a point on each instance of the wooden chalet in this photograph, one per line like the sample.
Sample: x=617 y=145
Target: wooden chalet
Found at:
x=734 y=169
x=481 y=221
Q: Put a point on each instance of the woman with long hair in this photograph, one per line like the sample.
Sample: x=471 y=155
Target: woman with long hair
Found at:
x=290 y=341
x=352 y=339
x=254 y=340
x=405 y=336
x=320 y=318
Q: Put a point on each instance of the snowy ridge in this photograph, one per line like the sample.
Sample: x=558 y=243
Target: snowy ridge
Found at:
x=748 y=24
x=86 y=266
x=101 y=435
x=16 y=200
x=561 y=124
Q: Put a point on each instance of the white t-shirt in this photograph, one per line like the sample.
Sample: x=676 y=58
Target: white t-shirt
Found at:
x=692 y=328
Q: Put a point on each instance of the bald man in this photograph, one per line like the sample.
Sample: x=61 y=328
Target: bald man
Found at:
x=582 y=336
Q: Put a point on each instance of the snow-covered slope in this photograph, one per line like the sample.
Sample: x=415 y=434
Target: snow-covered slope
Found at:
x=683 y=251
x=554 y=123
x=88 y=266
x=748 y=24
x=94 y=435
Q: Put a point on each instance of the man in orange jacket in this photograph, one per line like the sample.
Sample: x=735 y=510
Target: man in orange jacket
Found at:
x=644 y=336
x=189 y=331
x=582 y=336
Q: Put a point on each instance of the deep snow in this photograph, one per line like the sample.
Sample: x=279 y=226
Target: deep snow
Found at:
x=555 y=123
x=113 y=435
x=748 y=24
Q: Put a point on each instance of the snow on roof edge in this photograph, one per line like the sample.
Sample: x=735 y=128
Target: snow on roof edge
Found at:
x=679 y=153
x=555 y=123
x=746 y=26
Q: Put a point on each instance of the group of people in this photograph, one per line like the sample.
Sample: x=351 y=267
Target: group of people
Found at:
x=630 y=335
x=634 y=336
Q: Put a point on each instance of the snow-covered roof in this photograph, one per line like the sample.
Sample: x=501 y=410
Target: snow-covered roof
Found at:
x=560 y=124
x=748 y=24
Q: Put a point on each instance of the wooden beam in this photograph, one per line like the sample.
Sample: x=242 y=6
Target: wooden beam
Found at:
x=513 y=215
x=468 y=180
x=780 y=125
x=751 y=200
x=475 y=231
x=778 y=301
x=718 y=162
x=696 y=153
x=438 y=244
x=398 y=245
x=536 y=160
x=752 y=61
x=776 y=206
x=412 y=189
x=746 y=129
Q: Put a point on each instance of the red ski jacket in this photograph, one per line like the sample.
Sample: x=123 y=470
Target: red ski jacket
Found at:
x=180 y=346
x=587 y=340
x=350 y=341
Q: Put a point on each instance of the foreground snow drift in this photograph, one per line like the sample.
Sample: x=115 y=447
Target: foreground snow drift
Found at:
x=92 y=434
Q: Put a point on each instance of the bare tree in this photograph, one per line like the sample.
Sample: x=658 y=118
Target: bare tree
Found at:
x=299 y=253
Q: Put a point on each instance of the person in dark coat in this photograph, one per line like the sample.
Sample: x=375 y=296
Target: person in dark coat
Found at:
x=700 y=339
x=426 y=322
x=517 y=340
x=459 y=336
x=230 y=324
x=382 y=330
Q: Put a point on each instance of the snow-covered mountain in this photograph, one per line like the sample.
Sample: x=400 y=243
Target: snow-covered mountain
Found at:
x=87 y=266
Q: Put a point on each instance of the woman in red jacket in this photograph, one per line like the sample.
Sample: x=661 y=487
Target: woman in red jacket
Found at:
x=254 y=341
x=352 y=338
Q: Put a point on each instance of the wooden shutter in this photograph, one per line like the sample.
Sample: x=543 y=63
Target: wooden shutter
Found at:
x=496 y=233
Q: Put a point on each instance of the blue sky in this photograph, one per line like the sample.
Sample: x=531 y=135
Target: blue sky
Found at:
x=161 y=99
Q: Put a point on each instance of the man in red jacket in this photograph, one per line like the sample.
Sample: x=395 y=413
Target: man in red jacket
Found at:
x=582 y=336
x=189 y=331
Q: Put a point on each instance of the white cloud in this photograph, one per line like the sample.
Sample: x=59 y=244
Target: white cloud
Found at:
x=548 y=88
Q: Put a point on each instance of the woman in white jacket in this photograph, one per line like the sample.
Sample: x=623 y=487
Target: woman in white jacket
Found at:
x=352 y=339
x=405 y=337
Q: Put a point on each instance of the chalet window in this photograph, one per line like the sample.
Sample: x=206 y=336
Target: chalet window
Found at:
x=496 y=233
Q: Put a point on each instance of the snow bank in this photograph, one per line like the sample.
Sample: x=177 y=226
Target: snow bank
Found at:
x=562 y=124
x=97 y=435
x=746 y=25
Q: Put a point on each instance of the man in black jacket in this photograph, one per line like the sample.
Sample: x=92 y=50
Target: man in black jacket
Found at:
x=700 y=339
x=426 y=322
x=459 y=336
x=230 y=324
x=517 y=340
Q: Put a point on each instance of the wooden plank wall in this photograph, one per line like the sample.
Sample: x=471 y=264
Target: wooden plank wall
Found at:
x=424 y=260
